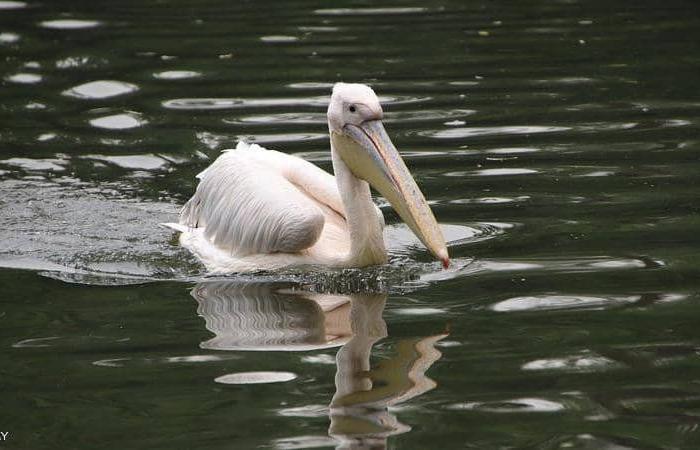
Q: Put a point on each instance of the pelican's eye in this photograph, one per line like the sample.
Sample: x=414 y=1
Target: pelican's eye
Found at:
x=352 y=108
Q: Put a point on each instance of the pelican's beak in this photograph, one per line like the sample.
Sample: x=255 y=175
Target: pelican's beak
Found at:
x=378 y=162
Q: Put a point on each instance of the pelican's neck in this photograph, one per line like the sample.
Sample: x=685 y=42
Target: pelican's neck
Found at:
x=361 y=214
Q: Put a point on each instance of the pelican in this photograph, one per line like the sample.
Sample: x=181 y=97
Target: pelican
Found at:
x=258 y=209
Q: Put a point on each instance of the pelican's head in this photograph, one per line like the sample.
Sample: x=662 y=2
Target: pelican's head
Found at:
x=357 y=133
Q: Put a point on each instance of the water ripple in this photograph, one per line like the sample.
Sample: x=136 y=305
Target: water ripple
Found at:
x=369 y=11
x=177 y=74
x=118 y=121
x=132 y=162
x=279 y=39
x=282 y=118
x=70 y=24
x=518 y=405
x=24 y=78
x=8 y=4
x=242 y=103
x=465 y=132
x=584 y=362
x=9 y=38
x=560 y=302
x=256 y=377
x=282 y=137
x=101 y=89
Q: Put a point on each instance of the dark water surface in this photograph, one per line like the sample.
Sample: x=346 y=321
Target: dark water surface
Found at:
x=557 y=140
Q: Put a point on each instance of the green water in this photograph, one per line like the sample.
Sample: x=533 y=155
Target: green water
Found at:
x=558 y=142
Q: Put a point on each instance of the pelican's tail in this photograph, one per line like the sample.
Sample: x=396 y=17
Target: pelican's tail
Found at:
x=176 y=226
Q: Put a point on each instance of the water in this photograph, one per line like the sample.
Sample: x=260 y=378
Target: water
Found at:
x=557 y=141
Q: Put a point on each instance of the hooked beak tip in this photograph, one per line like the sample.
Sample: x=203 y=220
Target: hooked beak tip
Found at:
x=444 y=258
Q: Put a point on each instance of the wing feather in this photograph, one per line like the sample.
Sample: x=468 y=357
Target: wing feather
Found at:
x=252 y=200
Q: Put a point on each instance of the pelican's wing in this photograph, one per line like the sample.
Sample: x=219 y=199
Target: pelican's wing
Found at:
x=252 y=200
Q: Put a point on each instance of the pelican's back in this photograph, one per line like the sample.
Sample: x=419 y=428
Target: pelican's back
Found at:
x=256 y=201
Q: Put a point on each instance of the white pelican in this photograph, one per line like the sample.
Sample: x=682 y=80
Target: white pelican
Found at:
x=258 y=209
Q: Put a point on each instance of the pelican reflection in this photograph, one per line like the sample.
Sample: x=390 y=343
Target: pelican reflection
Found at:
x=277 y=317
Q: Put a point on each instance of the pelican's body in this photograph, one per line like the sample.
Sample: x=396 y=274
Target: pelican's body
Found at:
x=258 y=209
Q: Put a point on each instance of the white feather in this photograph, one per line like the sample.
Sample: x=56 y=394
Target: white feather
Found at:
x=257 y=208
